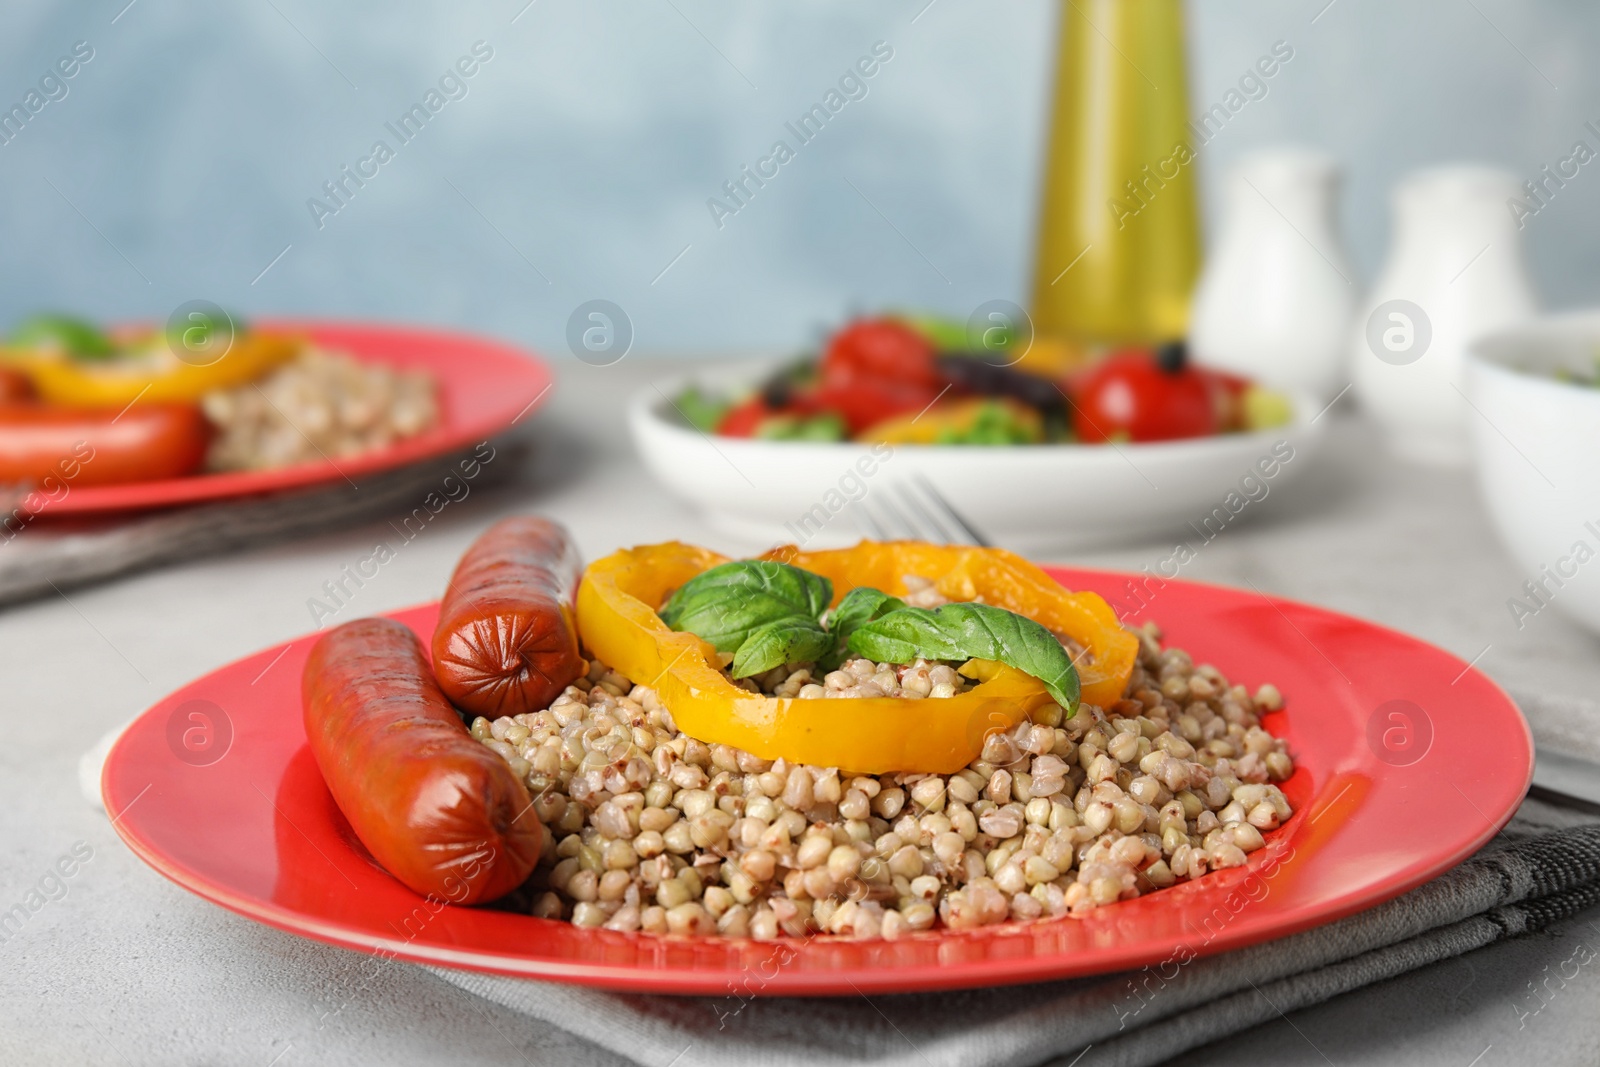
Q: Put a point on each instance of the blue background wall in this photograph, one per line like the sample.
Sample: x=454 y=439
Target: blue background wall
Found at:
x=579 y=163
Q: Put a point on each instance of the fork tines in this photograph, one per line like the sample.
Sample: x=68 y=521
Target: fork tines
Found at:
x=921 y=513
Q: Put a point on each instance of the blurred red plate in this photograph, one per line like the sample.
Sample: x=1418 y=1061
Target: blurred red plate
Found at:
x=1408 y=762
x=483 y=387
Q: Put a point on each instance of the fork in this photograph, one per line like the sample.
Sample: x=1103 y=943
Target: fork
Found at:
x=922 y=514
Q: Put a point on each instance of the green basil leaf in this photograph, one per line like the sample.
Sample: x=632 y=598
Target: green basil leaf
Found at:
x=725 y=604
x=971 y=631
x=777 y=643
x=78 y=338
x=903 y=635
x=859 y=607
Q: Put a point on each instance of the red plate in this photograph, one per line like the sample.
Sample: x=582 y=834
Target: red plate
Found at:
x=1408 y=760
x=483 y=386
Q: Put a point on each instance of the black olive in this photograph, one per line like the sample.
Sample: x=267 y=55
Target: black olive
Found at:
x=779 y=389
x=1172 y=356
x=973 y=371
x=777 y=394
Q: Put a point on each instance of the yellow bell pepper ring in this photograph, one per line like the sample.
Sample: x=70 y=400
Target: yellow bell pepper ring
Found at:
x=956 y=417
x=153 y=375
x=618 y=623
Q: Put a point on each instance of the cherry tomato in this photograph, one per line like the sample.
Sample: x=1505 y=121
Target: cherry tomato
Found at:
x=742 y=420
x=865 y=402
x=882 y=349
x=1227 y=397
x=1130 y=396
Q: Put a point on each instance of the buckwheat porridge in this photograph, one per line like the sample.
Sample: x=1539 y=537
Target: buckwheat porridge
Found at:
x=653 y=830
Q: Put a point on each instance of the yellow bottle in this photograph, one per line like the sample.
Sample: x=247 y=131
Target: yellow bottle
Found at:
x=1119 y=238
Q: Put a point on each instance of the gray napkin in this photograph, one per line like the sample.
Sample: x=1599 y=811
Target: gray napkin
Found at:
x=49 y=555
x=1543 y=867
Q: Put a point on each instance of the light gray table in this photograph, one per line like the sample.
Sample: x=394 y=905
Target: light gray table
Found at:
x=126 y=968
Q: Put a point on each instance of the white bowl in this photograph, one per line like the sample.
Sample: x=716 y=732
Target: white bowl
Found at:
x=1032 y=498
x=1536 y=442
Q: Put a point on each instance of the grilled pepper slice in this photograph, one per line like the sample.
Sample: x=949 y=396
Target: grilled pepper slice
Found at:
x=149 y=373
x=618 y=623
x=972 y=421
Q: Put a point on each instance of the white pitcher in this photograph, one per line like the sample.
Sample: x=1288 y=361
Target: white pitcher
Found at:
x=1455 y=271
x=1275 y=299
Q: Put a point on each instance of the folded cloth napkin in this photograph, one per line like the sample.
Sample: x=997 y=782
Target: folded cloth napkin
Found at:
x=1543 y=867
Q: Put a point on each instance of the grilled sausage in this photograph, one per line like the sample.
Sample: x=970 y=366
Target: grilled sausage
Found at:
x=507 y=642
x=14 y=386
x=439 y=811
x=143 y=442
